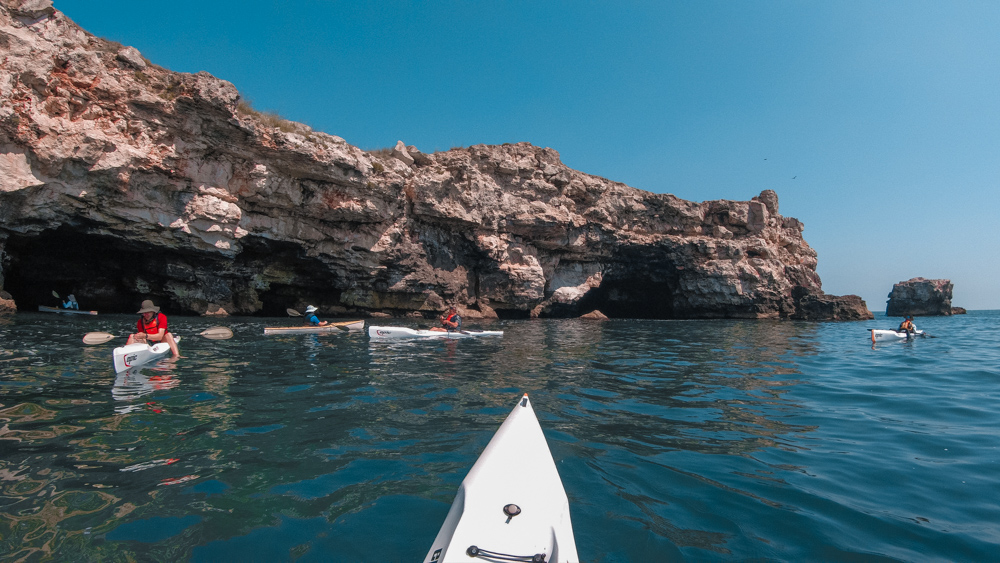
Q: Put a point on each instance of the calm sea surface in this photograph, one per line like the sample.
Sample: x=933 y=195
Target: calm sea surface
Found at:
x=676 y=440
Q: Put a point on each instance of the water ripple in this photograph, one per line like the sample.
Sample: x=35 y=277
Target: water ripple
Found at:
x=676 y=440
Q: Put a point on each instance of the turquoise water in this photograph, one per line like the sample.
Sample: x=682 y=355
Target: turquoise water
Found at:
x=675 y=440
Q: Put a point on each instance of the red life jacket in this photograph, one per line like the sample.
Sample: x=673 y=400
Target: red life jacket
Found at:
x=159 y=321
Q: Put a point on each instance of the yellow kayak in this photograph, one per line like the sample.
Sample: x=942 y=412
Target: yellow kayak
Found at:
x=309 y=329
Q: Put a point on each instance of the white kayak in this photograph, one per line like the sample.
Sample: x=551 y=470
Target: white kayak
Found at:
x=309 y=329
x=879 y=335
x=404 y=332
x=132 y=355
x=512 y=505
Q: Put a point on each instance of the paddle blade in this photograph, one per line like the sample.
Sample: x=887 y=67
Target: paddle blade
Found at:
x=293 y=313
x=97 y=337
x=56 y=295
x=217 y=333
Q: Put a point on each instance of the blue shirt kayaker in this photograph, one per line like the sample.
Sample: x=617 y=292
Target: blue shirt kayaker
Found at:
x=71 y=303
x=313 y=319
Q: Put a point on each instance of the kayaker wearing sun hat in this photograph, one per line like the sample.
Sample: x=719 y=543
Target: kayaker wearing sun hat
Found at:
x=152 y=327
x=313 y=319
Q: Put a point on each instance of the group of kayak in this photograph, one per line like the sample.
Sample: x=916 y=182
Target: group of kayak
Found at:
x=152 y=338
x=510 y=507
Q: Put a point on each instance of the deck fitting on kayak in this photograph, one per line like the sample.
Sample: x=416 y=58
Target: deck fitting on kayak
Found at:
x=474 y=551
x=511 y=510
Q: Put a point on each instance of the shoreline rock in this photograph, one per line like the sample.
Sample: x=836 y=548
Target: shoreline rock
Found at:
x=125 y=181
x=920 y=297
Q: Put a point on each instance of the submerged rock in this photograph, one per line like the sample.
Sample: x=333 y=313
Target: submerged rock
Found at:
x=125 y=181
x=920 y=297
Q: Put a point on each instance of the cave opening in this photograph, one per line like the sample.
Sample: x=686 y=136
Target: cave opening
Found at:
x=113 y=275
x=630 y=299
x=513 y=314
x=100 y=270
x=305 y=279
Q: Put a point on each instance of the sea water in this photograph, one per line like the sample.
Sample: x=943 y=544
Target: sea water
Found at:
x=675 y=440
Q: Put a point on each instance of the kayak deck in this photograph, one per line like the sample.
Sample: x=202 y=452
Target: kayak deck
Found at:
x=880 y=335
x=309 y=329
x=512 y=502
x=132 y=355
x=45 y=309
x=405 y=332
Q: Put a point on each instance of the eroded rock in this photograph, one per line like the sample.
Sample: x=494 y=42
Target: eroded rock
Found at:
x=920 y=297
x=124 y=181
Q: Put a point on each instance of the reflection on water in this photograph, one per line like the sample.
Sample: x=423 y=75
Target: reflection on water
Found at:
x=675 y=440
x=132 y=384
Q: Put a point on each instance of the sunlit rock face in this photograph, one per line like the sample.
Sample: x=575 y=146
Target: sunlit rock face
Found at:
x=120 y=181
x=921 y=297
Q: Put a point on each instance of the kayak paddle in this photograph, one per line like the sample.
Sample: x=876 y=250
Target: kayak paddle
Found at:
x=212 y=333
x=97 y=337
x=293 y=313
x=217 y=333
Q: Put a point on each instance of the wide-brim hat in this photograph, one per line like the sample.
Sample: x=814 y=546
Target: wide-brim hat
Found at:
x=311 y=309
x=148 y=307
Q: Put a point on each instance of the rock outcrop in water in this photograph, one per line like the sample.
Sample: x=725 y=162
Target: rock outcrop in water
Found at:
x=123 y=181
x=921 y=297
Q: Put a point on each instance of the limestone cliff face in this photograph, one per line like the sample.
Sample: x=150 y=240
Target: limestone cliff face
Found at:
x=120 y=180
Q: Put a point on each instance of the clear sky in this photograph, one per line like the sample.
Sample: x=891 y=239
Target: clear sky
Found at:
x=876 y=122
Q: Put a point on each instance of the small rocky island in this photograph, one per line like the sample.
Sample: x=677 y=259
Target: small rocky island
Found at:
x=921 y=297
x=123 y=181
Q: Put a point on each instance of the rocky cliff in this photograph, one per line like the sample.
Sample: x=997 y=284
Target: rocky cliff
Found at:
x=120 y=180
x=921 y=297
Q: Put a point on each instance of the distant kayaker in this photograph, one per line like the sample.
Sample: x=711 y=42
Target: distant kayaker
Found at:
x=449 y=321
x=70 y=302
x=907 y=326
x=312 y=319
x=152 y=327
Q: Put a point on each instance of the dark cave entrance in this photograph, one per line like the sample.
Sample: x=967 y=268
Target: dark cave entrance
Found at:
x=97 y=269
x=630 y=299
x=513 y=314
x=113 y=275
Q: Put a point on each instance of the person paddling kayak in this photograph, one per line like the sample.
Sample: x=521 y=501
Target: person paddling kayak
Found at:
x=449 y=321
x=71 y=303
x=152 y=327
x=907 y=326
x=312 y=319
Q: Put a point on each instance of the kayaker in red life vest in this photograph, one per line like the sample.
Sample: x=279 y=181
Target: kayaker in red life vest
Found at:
x=450 y=321
x=152 y=327
x=907 y=325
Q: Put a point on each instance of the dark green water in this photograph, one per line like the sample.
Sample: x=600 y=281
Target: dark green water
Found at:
x=675 y=440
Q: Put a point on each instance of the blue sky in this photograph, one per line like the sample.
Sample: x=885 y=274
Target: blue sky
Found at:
x=877 y=123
